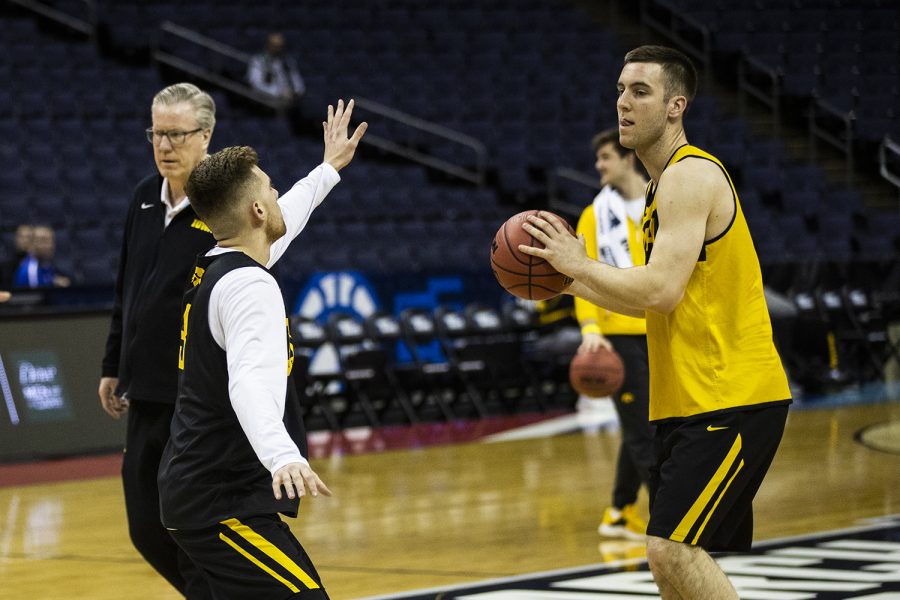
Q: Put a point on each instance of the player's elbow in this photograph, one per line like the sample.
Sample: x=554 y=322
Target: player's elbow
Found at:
x=664 y=299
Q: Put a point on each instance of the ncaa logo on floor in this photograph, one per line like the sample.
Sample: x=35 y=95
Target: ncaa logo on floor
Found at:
x=862 y=563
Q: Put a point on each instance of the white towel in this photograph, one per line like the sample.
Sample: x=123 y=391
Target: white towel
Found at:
x=612 y=228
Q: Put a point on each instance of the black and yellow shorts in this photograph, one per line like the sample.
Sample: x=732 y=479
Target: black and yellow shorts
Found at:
x=708 y=471
x=251 y=558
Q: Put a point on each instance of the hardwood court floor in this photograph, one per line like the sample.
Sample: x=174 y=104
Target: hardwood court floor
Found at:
x=410 y=519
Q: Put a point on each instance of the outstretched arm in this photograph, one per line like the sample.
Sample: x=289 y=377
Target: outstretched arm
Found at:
x=683 y=207
x=298 y=203
x=583 y=291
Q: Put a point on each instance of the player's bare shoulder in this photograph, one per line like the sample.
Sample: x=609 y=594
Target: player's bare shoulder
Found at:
x=699 y=186
x=696 y=173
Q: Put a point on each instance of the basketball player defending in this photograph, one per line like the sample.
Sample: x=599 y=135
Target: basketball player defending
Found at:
x=611 y=226
x=232 y=462
x=718 y=393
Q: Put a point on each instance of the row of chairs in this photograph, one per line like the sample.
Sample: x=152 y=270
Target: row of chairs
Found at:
x=842 y=323
x=421 y=365
x=863 y=345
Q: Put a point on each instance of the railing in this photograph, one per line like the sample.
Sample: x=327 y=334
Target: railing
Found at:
x=475 y=174
x=85 y=23
x=210 y=60
x=888 y=155
x=829 y=124
x=763 y=83
x=826 y=123
x=689 y=34
x=224 y=66
x=560 y=175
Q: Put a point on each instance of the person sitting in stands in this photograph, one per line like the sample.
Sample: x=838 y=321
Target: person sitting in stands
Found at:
x=274 y=73
x=21 y=244
x=36 y=270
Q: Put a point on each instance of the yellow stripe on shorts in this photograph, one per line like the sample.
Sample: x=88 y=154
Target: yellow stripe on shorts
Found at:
x=690 y=519
x=719 y=499
x=272 y=551
x=256 y=562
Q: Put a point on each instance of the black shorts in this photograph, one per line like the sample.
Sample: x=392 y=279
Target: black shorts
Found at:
x=708 y=471
x=251 y=558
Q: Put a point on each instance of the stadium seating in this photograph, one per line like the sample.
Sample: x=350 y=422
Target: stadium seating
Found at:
x=531 y=79
x=846 y=54
x=385 y=369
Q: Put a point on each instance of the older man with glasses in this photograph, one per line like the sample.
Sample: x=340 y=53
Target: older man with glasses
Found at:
x=162 y=238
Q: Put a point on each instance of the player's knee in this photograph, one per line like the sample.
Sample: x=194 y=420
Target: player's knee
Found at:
x=662 y=554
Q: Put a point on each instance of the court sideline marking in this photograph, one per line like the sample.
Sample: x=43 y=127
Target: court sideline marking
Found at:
x=777 y=555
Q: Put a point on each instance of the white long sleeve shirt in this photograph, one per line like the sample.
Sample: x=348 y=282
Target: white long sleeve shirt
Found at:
x=247 y=320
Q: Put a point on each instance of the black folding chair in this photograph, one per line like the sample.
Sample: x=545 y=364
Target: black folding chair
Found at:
x=867 y=326
x=814 y=358
x=371 y=385
x=384 y=329
x=501 y=339
x=434 y=374
x=548 y=374
x=466 y=355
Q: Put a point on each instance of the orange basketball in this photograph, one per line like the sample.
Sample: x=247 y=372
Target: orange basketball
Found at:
x=521 y=274
x=597 y=374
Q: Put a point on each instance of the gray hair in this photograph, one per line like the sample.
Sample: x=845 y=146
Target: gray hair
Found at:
x=203 y=104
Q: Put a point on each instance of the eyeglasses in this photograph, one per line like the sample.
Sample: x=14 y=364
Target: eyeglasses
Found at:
x=176 y=138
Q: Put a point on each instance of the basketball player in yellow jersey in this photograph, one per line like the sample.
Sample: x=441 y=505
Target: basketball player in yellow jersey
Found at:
x=611 y=226
x=718 y=392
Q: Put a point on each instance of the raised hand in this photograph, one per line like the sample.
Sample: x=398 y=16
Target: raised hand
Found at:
x=339 y=149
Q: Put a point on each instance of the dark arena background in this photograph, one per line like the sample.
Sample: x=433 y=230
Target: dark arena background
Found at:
x=438 y=406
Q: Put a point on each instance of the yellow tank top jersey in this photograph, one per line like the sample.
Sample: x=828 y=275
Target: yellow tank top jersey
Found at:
x=715 y=351
x=608 y=322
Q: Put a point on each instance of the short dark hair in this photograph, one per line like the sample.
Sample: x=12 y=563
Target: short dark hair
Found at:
x=609 y=136
x=679 y=71
x=219 y=180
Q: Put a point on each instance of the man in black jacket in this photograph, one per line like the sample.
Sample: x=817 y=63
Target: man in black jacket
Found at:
x=161 y=241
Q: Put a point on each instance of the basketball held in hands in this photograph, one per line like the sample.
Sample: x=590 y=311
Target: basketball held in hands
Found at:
x=523 y=275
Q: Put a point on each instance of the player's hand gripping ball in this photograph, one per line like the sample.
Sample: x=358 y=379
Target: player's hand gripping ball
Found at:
x=523 y=275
